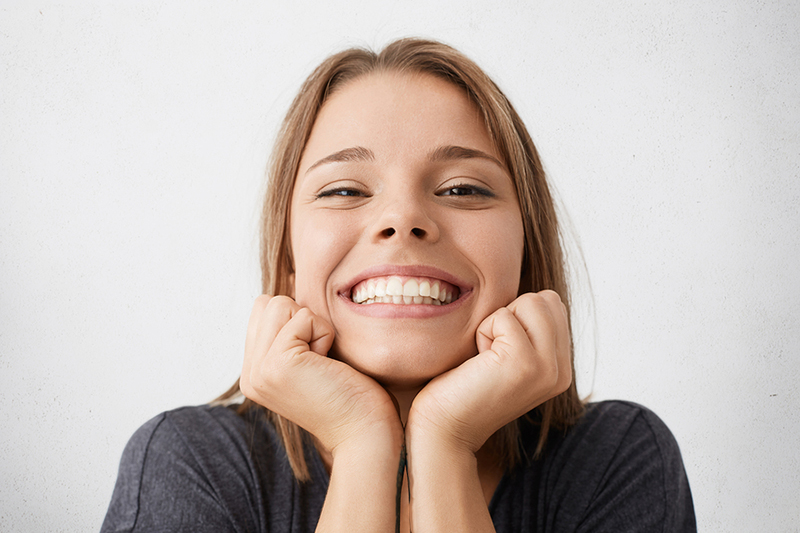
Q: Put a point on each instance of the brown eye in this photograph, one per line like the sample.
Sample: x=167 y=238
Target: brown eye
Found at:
x=341 y=191
x=467 y=190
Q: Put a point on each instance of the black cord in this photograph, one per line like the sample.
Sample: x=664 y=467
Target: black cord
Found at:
x=401 y=469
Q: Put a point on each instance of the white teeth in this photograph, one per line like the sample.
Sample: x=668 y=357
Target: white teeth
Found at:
x=380 y=288
x=425 y=288
x=394 y=287
x=414 y=290
x=435 y=291
x=411 y=288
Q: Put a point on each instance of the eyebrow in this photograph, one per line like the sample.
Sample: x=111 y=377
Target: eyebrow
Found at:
x=449 y=153
x=442 y=153
x=356 y=153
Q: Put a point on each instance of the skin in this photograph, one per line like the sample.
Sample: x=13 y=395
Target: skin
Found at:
x=458 y=372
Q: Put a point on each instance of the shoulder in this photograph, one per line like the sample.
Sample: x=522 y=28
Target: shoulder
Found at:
x=197 y=426
x=187 y=464
x=616 y=424
x=619 y=468
x=194 y=433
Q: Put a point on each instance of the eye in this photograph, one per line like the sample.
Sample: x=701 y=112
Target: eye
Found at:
x=467 y=190
x=342 y=192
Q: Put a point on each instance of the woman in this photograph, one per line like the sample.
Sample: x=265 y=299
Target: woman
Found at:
x=420 y=311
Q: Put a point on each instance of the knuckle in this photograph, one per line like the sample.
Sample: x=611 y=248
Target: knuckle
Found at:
x=550 y=295
x=278 y=302
x=551 y=373
x=528 y=300
x=528 y=297
x=246 y=387
x=564 y=379
x=503 y=314
x=263 y=300
x=304 y=313
x=567 y=381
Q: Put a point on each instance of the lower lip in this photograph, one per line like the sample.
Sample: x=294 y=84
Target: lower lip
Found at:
x=405 y=310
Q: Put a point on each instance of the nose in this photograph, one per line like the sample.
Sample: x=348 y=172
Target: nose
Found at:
x=405 y=219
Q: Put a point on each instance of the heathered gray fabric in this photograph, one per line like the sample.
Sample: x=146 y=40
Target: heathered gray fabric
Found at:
x=207 y=469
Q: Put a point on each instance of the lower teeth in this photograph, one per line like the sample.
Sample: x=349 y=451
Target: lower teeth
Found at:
x=425 y=300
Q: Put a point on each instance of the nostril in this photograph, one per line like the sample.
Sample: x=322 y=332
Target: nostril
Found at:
x=418 y=232
x=389 y=232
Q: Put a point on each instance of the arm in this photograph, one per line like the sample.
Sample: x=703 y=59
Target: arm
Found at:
x=445 y=488
x=362 y=491
x=523 y=360
x=629 y=471
x=286 y=370
x=182 y=471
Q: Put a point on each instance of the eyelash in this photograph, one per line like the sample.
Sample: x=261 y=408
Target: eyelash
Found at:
x=474 y=190
x=349 y=192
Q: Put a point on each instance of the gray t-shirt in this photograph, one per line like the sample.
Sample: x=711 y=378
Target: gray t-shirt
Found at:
x=207 y=469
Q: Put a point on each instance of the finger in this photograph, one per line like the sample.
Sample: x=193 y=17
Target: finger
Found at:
x=535 y=313
x=276 y=314
x=544 y=317
x=503 y=375
x=252 y=324
x=502 y=333
x=563 y=339
x=304 y=332
x=283 y=336
x=269 y=315
x=322 y=335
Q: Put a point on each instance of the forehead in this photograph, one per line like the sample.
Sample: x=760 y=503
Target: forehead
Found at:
x=397 y=116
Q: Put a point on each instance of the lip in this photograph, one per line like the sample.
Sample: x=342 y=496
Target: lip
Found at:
x=405 y=310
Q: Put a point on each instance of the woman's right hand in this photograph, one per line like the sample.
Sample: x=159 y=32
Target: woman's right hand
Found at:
x=286 y=369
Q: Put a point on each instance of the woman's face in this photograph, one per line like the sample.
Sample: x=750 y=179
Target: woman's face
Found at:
x=401 y=195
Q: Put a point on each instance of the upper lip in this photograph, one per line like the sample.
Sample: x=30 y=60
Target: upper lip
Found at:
x=421 y=271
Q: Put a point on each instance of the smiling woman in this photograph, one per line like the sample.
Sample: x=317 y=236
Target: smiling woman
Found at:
x=427 y=198
x=415 y=307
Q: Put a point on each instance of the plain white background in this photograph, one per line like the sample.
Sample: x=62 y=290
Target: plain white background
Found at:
x=132 y=145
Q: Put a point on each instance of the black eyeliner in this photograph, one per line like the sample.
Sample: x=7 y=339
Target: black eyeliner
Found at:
x=477 y=191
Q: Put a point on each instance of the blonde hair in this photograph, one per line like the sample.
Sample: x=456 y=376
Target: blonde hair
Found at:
x=543 y=262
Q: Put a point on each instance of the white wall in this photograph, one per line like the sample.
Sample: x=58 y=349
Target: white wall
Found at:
x=132 y=142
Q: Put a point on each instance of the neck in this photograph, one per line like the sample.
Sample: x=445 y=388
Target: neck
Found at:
x=403 y=400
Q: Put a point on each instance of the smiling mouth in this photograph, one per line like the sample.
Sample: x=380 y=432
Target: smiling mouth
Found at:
x=404 y=291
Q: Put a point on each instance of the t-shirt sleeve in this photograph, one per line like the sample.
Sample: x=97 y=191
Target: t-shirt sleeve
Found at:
x=184 y=470
x=622 y=472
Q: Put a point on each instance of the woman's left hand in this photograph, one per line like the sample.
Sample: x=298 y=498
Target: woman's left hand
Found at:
x=523 y=361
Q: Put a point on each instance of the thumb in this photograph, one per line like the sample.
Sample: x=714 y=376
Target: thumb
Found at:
x=321 y=338
x=484 y=336
x=497 y=331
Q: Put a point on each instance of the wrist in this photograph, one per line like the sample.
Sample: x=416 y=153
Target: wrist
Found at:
x=380 y=442
x=362 y=490
x=425 y=435
x=444 y=474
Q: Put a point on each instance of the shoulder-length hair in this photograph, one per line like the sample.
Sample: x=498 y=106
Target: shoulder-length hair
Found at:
x=543 y=261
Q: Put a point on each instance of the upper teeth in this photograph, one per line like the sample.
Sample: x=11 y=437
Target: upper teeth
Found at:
x=393 y=290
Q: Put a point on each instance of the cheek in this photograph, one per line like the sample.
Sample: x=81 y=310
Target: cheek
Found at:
x=497 y=250
x=318 y=247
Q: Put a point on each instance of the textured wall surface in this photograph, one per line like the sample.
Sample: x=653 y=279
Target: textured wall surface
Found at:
x=132 y=143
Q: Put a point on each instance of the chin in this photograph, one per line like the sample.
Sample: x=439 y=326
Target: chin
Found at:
x=403 y=365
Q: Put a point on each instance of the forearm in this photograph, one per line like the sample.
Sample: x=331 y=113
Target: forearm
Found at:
x=445 y=487
x=363 y=486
